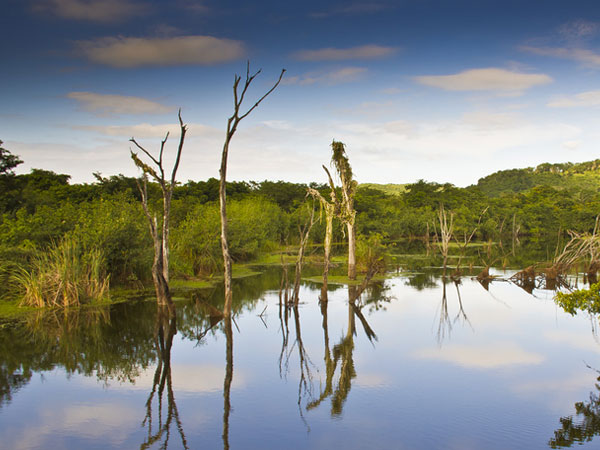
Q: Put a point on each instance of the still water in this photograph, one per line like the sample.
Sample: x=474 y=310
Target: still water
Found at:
x=414 y=363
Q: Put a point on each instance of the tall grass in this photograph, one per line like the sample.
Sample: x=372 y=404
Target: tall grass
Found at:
x=66 y=275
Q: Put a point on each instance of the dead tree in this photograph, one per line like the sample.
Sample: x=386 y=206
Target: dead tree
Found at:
x=446 y=230
x=160 y=235
x=304 y=234
x=232 y=124
x=331 y=208
x=347 y=213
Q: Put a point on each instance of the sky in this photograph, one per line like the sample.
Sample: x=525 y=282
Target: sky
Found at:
x=440 y=90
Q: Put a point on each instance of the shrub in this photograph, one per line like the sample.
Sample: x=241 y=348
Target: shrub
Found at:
x=66 y=275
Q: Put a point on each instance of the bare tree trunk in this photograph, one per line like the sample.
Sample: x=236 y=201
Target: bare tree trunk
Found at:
x=351 y=251
x=223 y=211
x=160 y=266
x=327 y=254
x=232 y=124
x=304 y=233
x=330 y=209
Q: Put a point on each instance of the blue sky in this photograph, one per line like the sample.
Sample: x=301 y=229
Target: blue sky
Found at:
x=447 y=91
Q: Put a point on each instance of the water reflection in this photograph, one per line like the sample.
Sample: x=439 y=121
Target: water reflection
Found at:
x=342 y=354
x=108 y=343
x=159 y=427
x=585 y=428
x=445 y=322
x=227 y=381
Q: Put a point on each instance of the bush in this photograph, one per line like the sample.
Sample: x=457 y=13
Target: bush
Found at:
x=67 y=274
x=254 y=224
x=371 y=253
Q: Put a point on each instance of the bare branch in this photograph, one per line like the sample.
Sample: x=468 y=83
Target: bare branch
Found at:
x=183 y=128
x=264 y=96
x=145 y=151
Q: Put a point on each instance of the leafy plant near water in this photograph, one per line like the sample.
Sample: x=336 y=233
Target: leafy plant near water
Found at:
x=583 y=299
x=68 y=274
x=371 y=252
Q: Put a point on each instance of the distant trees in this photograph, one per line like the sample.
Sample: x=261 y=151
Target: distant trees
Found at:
x=8 y=161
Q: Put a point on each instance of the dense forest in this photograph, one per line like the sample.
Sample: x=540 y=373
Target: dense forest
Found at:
x=42 y=212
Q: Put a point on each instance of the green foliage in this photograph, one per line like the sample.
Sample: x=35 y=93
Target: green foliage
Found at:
x=8 y=161
x=254 y=223
x=581 y=300
x=68 y=274
x=371 y=253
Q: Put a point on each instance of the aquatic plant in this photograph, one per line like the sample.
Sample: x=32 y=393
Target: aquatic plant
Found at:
x=67 y=274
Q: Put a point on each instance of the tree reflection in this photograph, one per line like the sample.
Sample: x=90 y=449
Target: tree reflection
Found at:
x=227 y=381
x=446 y=323
x=106 y=342
x=304 y=362
x=342 y=354
x=585 y=428
x=166 y=328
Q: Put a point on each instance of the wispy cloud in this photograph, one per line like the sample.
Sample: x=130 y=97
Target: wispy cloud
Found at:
x=487 y=79
x=582 y=55
x=146 y=130
x=106 y=104
x=588 y=98
x=333 y=77
x=339 y=54
x=578 y=30
x=103 y=11
x=195 y=6
x=125 y=52
x=354 y=8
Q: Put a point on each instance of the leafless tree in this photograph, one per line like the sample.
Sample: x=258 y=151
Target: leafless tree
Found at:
x=304 y=234
x=159 y=232
x=232 y=123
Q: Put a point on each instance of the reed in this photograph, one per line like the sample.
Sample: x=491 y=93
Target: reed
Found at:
x=66 y=275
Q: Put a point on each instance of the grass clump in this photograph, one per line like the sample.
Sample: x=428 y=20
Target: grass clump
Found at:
x=67 y=274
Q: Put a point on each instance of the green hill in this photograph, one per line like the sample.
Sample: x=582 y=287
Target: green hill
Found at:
x=579 y=176
x=390 y=188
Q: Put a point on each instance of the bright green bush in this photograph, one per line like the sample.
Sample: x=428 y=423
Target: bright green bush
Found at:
x=254 y=224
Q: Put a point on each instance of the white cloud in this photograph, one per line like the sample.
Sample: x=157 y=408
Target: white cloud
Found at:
x=339 y=54
x=488 y=79
x=572 y=145
x=107 y=11
x=584 y=56
x=146 y=130
x=588 y=98
x=188 y=378
x=135 y=52
x=483 y=357
x=577 y=30
x=354 y=8
x=117 y=104
x=333 y=77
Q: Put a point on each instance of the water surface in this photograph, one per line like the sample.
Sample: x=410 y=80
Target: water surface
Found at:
x=414 y=363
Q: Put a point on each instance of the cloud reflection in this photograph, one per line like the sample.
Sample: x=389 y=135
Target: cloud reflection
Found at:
x=494 y=356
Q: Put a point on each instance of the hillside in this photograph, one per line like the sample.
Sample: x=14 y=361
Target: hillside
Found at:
x=579 y=176
x=390 y=188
